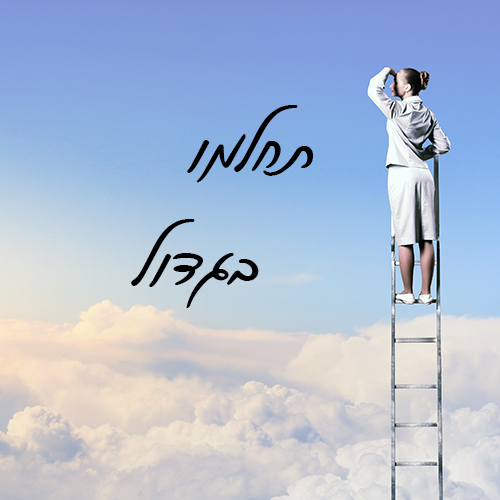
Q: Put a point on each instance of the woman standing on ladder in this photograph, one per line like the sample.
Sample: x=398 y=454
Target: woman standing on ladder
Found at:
x=411 y=186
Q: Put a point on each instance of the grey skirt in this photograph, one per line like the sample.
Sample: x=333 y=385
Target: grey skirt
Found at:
x=411 y=196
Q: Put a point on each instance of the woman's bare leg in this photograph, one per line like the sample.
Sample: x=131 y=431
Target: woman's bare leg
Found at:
x=426 y=264
x=406 y=262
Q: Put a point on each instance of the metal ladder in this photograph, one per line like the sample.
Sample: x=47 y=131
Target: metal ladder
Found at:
x=404 y=387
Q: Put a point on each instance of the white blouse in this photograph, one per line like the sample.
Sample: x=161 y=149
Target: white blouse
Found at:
x=409 y=125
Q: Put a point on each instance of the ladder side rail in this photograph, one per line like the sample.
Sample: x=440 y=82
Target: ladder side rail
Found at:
x=393 y=366
x=438 y=329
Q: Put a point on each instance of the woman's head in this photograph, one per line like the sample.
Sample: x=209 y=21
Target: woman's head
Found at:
x=417 y=80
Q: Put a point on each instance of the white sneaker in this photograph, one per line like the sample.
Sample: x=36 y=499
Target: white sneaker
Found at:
x=425 y=298
x=406 y=298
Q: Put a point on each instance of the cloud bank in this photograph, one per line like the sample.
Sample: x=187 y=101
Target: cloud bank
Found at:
x=137 y=404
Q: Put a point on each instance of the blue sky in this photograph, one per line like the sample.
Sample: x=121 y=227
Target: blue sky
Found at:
x=105 y=105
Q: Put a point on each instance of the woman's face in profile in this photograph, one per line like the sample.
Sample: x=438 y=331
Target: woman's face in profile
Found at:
x=398 y=85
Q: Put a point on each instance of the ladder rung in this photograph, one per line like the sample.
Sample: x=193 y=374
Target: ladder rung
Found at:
x=416 y=386
x=415 y=424
x=417 y=301
x=416 y=263
x=409 y=464
x=415 y=340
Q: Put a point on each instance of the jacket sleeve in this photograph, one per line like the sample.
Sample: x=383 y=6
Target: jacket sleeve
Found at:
x=440 y=143
x=378 y=96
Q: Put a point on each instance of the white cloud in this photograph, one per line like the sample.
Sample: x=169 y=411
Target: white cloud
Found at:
x=368 y=477
x=472 y=464
x=137 y=404
x=43 y=431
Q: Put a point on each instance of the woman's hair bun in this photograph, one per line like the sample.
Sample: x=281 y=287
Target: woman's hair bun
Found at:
x=424 y=79
x=417 y=79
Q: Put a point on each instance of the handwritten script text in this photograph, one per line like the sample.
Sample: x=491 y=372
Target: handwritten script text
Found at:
x=219 y=152
x=217 y=272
